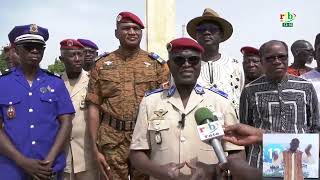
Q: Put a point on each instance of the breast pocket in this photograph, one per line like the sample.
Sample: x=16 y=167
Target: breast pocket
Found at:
x=9 y=107
x=48 y=103
x=145 y=81
x=110 y=83
x=159 y=134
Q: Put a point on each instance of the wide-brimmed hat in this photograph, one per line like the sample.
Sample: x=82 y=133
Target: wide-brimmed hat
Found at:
x=210 y=15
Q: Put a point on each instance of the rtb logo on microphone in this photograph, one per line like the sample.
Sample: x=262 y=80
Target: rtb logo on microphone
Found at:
x=210 y=130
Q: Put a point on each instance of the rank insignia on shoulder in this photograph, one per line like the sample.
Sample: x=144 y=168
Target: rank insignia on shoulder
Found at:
x=100 y=56
x=156 y=57
x=218 y=91
x=153 y=91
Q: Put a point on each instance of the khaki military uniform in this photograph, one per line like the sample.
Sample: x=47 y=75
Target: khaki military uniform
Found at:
x=80 y=163
x=157 y=128
x=117 y=84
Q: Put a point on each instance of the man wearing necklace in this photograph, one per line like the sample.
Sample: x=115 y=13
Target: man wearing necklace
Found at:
x=217 y=70
x=36 y=112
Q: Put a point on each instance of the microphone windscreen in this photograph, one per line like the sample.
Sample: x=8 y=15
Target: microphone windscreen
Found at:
x=202 y=115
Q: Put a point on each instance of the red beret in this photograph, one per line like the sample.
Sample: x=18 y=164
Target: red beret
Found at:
x=249 y=50
x=184 y=43
x=129 y=16
x=70 y=44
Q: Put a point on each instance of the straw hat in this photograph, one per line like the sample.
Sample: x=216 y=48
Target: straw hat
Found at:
x=210 y=15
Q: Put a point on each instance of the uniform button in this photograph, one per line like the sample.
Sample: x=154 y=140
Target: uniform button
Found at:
x=30 y=110
x=50 y=100
x=38 y=79
x=10 y=103
x=30 y=93
x=182 y=139
x=32 y=126
x=33 y=142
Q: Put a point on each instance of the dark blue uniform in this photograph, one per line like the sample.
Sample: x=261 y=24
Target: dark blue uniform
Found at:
x=30 y=117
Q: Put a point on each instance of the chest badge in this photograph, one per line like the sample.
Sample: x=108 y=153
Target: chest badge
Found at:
x=11 y=112
x=160 y=115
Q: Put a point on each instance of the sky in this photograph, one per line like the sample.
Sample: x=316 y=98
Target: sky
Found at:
x=254 y=22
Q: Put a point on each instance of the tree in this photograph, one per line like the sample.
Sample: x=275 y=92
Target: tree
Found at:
x=3 y=64
x=57 y=67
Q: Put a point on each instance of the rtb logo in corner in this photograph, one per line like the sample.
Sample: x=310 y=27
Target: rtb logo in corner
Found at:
x=287 y=19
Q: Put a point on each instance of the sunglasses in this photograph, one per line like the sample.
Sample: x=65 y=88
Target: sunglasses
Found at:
x=180 y=60
x=30 y=47
x=280 y=57
x=207 y=27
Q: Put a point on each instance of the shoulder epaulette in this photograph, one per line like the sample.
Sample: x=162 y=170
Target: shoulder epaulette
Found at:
x=51 y=73
x=156 y=57
x=100 y=56
x=218 y=91
x=5 y=72
x=153 y=91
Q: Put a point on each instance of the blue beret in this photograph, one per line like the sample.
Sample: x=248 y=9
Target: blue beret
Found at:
x=88 y=43
x=28 y=33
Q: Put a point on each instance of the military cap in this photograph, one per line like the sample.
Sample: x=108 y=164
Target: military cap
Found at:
x=70 y=44
x=249 y=50
x=88 y=43
x=28 y=33
x=129 y=16
x=184 y=43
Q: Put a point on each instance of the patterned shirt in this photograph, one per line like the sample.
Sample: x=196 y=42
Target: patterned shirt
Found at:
x=226 y=74
x=290 y=106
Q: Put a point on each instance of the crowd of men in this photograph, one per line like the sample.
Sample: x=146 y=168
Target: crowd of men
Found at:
x=129 y=114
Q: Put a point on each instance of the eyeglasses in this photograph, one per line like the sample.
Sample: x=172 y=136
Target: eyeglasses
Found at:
x=180 y=60
x=30 y=47
x=280 y=57
x=207 y=27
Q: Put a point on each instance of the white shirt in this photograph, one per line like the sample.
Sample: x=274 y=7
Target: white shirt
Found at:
x=225 y=74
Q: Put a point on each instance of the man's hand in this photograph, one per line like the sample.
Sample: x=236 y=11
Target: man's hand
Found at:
x=307 y=150
x=171 y=170
x=103 y=166
x=240 y=169
x=201 y=171
x=37 y=169
x=242 y=135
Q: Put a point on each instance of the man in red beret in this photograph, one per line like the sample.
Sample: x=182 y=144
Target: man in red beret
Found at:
x=251 y=63
x=117 y=84
x=166 y=128
x=80 y=164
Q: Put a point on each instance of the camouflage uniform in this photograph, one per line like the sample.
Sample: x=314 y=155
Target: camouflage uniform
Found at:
x=117 y=84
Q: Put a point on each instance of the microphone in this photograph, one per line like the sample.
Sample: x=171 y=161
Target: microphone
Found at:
x=210 y=129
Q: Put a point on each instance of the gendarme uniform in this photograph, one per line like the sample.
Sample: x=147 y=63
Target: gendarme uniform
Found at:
x=30 y=117
x=157 y=128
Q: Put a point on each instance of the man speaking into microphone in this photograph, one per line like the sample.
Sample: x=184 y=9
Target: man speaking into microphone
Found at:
x=165 y=143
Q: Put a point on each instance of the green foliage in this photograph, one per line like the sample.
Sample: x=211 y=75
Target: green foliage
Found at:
x=57 y=67
x=3 y=64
